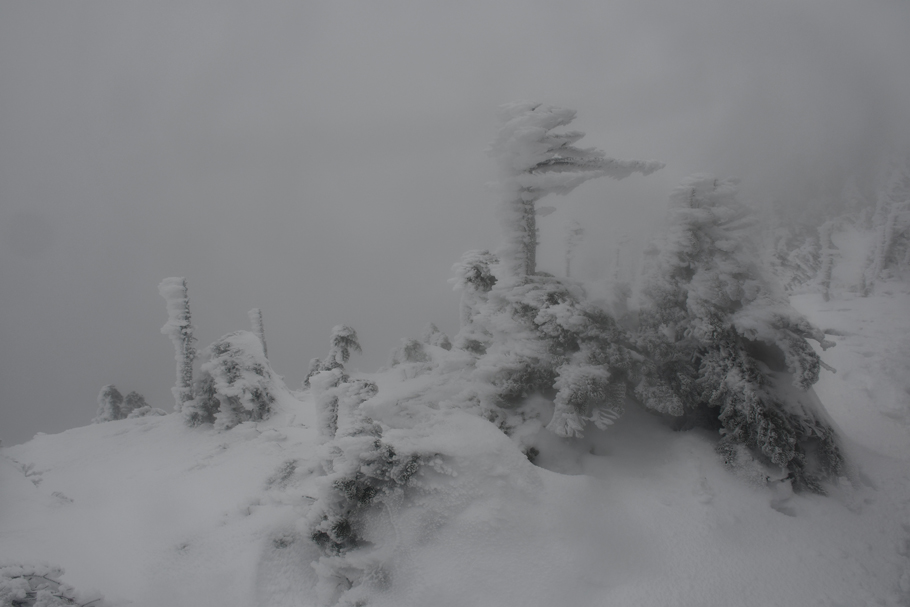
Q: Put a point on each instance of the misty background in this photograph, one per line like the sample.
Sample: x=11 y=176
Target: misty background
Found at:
x=325 y=161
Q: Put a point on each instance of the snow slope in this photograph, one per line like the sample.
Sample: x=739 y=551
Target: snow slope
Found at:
x=153 y=513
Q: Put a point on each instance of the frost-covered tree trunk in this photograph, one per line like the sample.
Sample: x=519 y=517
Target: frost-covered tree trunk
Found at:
x=259 y=328
x=179 y=329
x=535 y=162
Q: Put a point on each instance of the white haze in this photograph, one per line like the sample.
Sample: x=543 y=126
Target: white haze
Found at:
x=198 y=139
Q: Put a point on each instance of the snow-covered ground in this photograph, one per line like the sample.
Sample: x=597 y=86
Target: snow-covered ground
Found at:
x=153 y=513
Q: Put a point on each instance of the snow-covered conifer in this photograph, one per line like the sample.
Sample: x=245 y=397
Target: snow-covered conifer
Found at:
x=110 y=402
x=541 y=335
x=474 y=278
x=236 y=383
x=179 y=329
x=131 y=402
x=717 y=334
x=258 y=328
x=341 y=343
x=344 y=340
x=337 y=397
x=535 y=162
x=326 y=399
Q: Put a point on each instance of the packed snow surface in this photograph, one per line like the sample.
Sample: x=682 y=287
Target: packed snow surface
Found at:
x=151 y=512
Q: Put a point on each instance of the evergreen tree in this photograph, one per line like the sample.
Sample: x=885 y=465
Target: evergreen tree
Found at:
x=258 y=328
x=540 y=335
x=474 y=278
x=535 y=162
x=179 y=329
x=132 y=402
x=110 y=403
x=342 y=342
x=236 y=384
x=723 y=345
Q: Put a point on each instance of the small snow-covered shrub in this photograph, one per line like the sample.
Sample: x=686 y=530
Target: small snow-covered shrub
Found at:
x=342 y=343
x=365 y=474
x=39 y=585
x=235 y=384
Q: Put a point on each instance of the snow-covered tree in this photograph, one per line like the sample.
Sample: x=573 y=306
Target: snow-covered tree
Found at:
x=367 y=475
x=132 y=402
x=336 y=397
x=619 y=281
x=724 y=348
x=258 y=328
x=542 y=336
x=535 y=162
x=179 y=329
x=474 y=279
x=341 y=344
x=110 y=403
x=409 y=351
x=827 y=255
x=235 y=384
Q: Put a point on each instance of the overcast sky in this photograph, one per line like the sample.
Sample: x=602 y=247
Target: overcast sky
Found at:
x=324 y=161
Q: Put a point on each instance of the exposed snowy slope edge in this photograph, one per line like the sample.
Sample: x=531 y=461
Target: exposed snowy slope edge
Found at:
x=150 y=511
